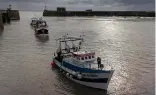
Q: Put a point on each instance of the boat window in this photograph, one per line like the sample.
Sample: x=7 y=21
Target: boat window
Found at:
x=82 y=58
x=89 y=57
x=92 y=56
x=85 y=57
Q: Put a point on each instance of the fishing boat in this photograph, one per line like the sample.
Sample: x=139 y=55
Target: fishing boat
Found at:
x=41 y=27
x=33 y=21
x=41 y=30
x=81 y=66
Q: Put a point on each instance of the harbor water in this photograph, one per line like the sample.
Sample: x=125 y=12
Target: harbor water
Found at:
x=127 y=44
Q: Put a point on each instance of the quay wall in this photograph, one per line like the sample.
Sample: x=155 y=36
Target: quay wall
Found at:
x=1 y=23
x=13 y=14
x=7 y=15
x=99 y=13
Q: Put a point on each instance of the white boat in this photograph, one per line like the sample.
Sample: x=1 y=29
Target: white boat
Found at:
x=33 y=21
x=41 y=30
x=41 y=27
x=81 y=66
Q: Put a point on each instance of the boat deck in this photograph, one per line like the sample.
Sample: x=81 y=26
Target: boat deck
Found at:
x=90 y=65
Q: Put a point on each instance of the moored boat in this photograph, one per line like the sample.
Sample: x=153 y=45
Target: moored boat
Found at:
x=41 y=27
x=33 y=21
x=41 y=30
x=81 y=66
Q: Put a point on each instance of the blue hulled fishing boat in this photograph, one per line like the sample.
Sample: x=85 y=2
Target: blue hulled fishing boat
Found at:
x=81 y=66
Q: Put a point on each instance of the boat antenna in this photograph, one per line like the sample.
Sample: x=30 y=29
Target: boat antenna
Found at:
x=59 y=48
x=74 y=47
x=80 y=43
x=67 y=47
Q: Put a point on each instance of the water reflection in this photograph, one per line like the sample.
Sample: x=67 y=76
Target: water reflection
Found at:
x=61 y=19
x=128 y=46
x=42 y=38
x=1 y=32
x=32 y=27
x=64 y=84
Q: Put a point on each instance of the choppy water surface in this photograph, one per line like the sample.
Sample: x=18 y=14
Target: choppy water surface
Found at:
x=127 y=43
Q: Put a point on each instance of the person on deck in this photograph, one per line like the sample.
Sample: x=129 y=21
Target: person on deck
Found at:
x=99 y=61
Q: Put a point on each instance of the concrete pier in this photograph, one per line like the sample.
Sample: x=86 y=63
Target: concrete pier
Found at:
x=61 y=11
x=14 y=15
x=1 y=23
x=5 y=18
x=8 y=15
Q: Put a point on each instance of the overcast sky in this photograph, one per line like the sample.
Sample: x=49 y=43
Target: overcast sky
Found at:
x=111 y=5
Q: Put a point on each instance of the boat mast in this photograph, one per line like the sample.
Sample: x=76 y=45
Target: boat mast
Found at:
x=68 y=48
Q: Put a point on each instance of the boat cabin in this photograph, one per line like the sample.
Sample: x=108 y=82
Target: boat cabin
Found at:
x=84 y=56
x=41 y=24
x=33 y=21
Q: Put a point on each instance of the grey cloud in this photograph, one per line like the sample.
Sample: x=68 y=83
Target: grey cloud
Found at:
x=88 y=1
x=139 y=2
x=112 y=1
x=81 y=4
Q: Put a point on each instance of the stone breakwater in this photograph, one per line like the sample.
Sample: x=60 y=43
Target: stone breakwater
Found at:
x=7 y=15
x=14 y=15
x=11 y=14
x=63 y=12
x=1 y=23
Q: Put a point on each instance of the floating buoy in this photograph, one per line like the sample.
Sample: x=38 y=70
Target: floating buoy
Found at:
x=79 y=76
x=64 y=72
x=67 y=74
x=53 y=64
x=74 y=73
x=71 y=76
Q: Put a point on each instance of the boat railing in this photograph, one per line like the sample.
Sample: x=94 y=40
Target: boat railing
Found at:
x=75 y=62
x=92 y=65
x=84 y=64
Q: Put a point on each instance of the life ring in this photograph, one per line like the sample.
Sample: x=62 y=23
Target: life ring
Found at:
x=70 y=75
x=79 y=76
x=67 y=74
x=74 y=73
x=53 y=64
x=63 y=72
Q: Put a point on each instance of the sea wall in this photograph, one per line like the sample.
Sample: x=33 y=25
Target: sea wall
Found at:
x=7 y=15
x=99 y=13
x=13 y=14
x=1 y=23
x=5 y=18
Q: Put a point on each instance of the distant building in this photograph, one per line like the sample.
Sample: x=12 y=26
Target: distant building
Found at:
x=45 y=8
x=10 y=7
x=89 y=10
x=1 y=23
x=61 y=9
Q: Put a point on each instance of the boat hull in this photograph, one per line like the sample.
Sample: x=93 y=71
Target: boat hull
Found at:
x=103 y=86
x=100 y=81
x=41 y=31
